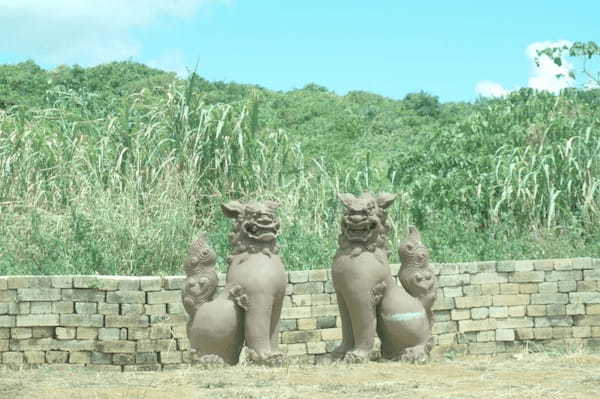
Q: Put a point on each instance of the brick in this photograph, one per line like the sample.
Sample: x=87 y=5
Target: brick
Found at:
x=545 y=299
x=446 y=268
x=476 y=325
x=486 y=336
x=516 y=311
x=116 y=346
x=470 y=267
x=302 y=312
x=443 y=304
x=40 y=307
x=108 y=334
x=451 y=292
x=536 y=310
x=4 y=332
x=108 y=308
x=169 y=357
x=12 y=358
x=505 y=266
x=38 y=320
x=548 y=287
x=479 y=313
x=74 y=345
x=595 y=331
x=582 y=332
x=524 y=334
x=542 y=333
x=57 y=357
x=103 y=283
x=567 y=286
x=173 y=282
x=324 y=310
x=146 y=358
x=592 y=275
x=4 y=345
x=315 y=287
x=544 y=264
x=129 y=283
x=587 y=285
x=294 y=337
x=584 y=297
x=30 y=282
x=101 y=358
x=320 y=299
x=34 y=344
x=175 y=308
x=444 y=327
x=86 y=307
x=298 y=276
x=158 y=309
x=453 y=280
x=160 y=331
x=527 y=277
x=473 y=302
x=61 y=281
x=34 y=357
x=441 y=315
x=329 y=334
x=583 y=263
x=65 y=332
x=38 y=294
x=326 y=322
x=81 y=320
x=307 y=324
x=509 y=288
x=138 y=297
x=132 y=309
x=488 y=278
x=316 y=347
x=125 y=321
x=528 y=288
x=163 y=297
x=576 y=308
x=589 y=320
x=123 y=358
x=460 y=314
x=521 y=322
x=510 y=300
x=486 y=267
x=563 y=275
x=8 y=296
x=317 y=275
x=498 y=312
x=87 y=333
x=150 y=283
x=63 y=307
x=288 y=325
x=42 y=332
x=554 y=321
x=80 y=357
x=301 y=300
x=490 y=289
x=561 y=332
x=589 y=309
x=21 y=333
x=83 y=295
x=563 y=264
x=505 y=334
x=3 y=282
x=555 y=309
x=523 y=266
x=134 y=334
x=471 y=290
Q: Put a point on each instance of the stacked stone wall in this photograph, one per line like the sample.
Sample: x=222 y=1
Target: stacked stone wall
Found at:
x=138 y=323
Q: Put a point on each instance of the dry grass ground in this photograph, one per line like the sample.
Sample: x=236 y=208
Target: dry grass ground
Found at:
x=533 y=376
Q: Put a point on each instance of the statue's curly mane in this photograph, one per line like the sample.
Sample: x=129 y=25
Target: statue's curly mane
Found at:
x=373 y=228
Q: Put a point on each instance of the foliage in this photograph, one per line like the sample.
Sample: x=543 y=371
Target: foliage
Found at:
x=114 y=169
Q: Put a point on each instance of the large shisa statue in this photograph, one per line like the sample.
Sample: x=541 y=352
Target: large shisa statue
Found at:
x=248 y=309
x=369 y=299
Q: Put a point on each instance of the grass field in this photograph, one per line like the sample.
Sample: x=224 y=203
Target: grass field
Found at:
x=521 y=375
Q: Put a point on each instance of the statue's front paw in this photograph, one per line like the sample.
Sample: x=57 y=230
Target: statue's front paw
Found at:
x=208 y=361
x=357 y=356
x=266 y=358
x=416 y=355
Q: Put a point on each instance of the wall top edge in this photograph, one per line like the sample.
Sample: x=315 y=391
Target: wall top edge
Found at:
x=594 y=262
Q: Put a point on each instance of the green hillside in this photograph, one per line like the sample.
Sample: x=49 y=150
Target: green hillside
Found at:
x=114 y=169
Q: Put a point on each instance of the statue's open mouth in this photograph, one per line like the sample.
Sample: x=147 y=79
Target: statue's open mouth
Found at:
x=360 y=231
x=262 y=230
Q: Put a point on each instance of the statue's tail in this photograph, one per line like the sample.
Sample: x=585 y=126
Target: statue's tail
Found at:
x=201 y=282
x=238 y=294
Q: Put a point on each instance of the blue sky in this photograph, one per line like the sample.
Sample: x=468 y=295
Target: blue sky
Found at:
x=455 y=49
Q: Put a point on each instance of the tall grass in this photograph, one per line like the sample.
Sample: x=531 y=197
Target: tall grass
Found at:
x=88 y=186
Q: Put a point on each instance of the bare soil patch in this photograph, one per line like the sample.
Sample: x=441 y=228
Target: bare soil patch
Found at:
x=523 y=375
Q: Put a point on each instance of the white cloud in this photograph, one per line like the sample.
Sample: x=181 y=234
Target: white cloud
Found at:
x=544 y=72
x=83 y=32
x=488 y=88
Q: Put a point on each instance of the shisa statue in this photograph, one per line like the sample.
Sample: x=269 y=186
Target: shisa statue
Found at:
x=369 y=299
x=248 y=309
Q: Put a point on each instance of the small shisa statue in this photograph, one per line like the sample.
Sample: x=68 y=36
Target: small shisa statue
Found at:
x=248 y=309
x=369 y=300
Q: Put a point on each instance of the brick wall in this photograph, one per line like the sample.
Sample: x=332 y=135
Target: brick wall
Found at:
x=138 y=323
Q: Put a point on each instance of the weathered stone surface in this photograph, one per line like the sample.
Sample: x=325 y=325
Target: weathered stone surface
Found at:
x=83 y=295
x=86 y=307
x=126 y=321
x=584 y=297
x=81 y=320
x=473 y=302
x=150 y=283
x=527 y=277
x=38 y=320
x=130 y=296
x=38 y=294
x=116 y=346
x=476 y=325
x=163 y=297
x=544 y=299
